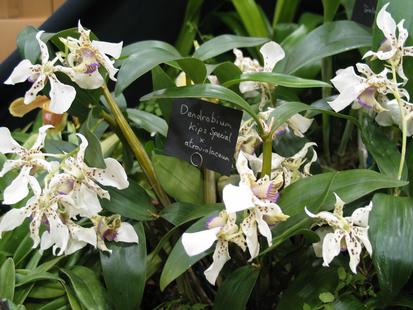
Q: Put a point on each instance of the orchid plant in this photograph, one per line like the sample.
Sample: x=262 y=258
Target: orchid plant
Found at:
x=96 y=215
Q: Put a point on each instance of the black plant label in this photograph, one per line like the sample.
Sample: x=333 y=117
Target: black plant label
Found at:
x=364 y=12
x=203 y=133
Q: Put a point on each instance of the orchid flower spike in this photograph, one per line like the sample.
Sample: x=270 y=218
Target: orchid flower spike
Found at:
x=29 y=160
x=271 y=53
x=350 y=233
x=86 y=56
x=221 y=228
x=259 y=198
x=363 y=89
x=61 y=95
x=78 y=182
x=392 y=48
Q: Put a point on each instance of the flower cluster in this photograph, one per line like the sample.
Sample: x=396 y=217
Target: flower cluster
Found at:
x=342 y=233
x=69 y=195
x=80 y=63
x=371 y=90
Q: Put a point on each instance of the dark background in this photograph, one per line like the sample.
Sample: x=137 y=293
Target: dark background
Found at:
x=122 y=20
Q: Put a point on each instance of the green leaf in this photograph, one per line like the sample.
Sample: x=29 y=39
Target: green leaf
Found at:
x=124 y=271
x=236 y=289
x=179 y=213
x=27 y=44
x=134 y=66
x=226 y=71
x=329 y=39
x=56 y=304
x=391 y=235
x=348 y=302
x=7 y=279
x=178 y=261
x=132 y=202
x=204 y=91
x=161 y=80
x=326 y=297
x=34 y=276
x=251 y=17
x=330 y=9
x=145 y=45
x=194 y=69
x=148 y=121
x=384 y=151
x=278 y=79
x=179 y=179
x=350 y=185
x=225 y=43
x=87 y=287
x=46 y=290
x=24 y=249
x=284 y=11
x=307 y=286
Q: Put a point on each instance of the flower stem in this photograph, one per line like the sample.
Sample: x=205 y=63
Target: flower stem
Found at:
x=267 y=155
x=326 y=74
x=209 y=186
x=348 y=130
x=398 y=98
x=136 y=146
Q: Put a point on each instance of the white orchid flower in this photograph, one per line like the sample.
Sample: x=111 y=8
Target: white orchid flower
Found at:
x=392 y=49
x=222 y=229
x=363 y=89
x=78 y=182
x=61 y=95
x=259 y=198
x=86 y=56
x=79 y=237
x=348 y=232
x=272 y=53
x=291 y=168
x=42 y=208
x=113 y=229
x=391 y=115
x=28 y=161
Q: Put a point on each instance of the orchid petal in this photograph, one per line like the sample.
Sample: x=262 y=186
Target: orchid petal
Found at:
x=7 y=143
x=299 y=124
x=332 y=246
x=36 y=87
x=126 y=233
x=198 y=242
x=59 y=233
x=237 y=198
x=21 y=72
x=44 y=52
x=386 y=24
x=360 y=216
x=220 y=257
x=354 y=250
x=108 y=64
x=272 y=53
x=10 y=165
x=12 y=219
x=18 y=189
x=249 y=228
x=362 y=234
x=112 y=49
x=263 y=227
x=80 y=236
x=113 y=175
x=82 y=147
x=87 y=201
x=41 y=137
x=338 y=207
x=61 y=95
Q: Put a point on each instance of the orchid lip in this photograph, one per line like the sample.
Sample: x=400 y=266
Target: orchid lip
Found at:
x=363 y=103
x=92 y=67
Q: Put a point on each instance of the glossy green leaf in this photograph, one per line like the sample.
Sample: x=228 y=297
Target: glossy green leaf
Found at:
x=178 y=261
x=24 y=249
x=46 y=290
x=384 y=151
x=225 y=43
x=56 y=304
x=73 y=301
x=161 y=80
x=330 y=9
x=124 y=271
x=148 y=121
x=145 y=45
x=391 y=235
x=179 y=213
x=307 y=287
x=179 y=179
x=34 y=276
x=134 y=66
x=349 y=185
x=226 y=71
x=284 y=11
x=204 y=91
x=278 y=79
x=194 y=68
x=87 y=287
x=7 y=279
x=251 y=17
x=27 y=44
x=348 y=302
x=329 y=39
x=132 y=202
x=236 y=288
